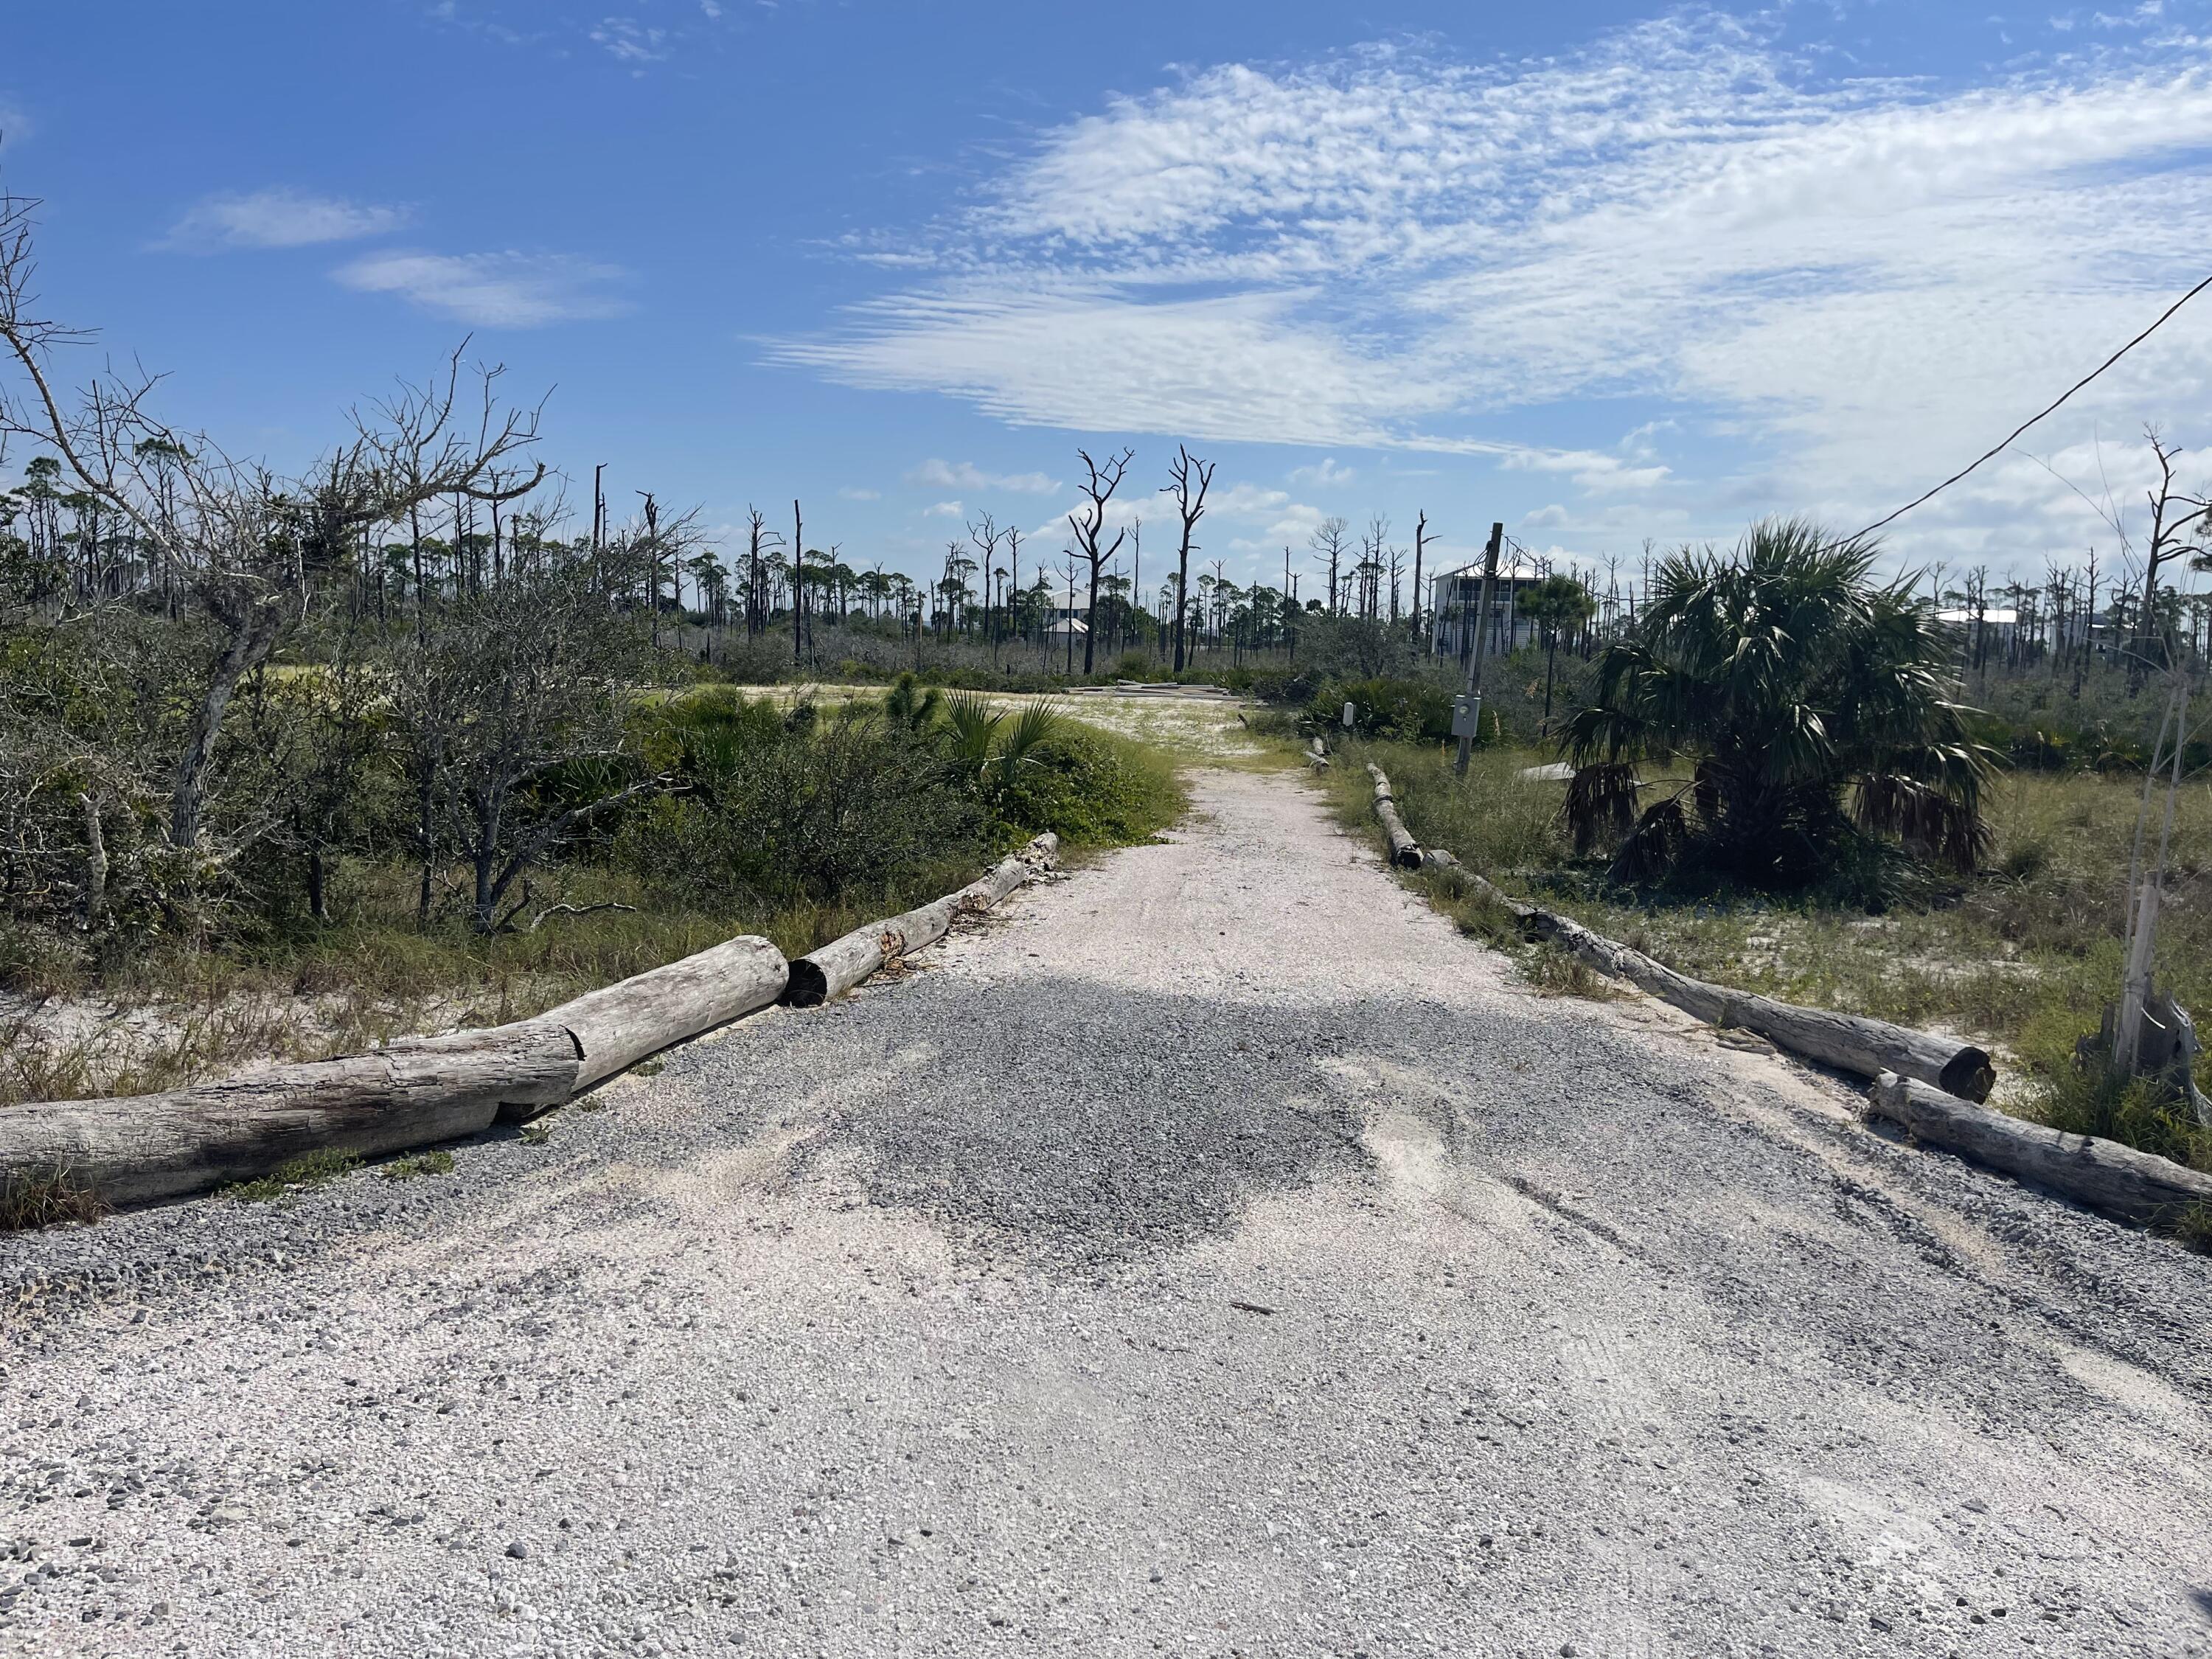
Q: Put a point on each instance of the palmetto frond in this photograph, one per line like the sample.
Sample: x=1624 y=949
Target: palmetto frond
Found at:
x=1787 y=674
x=974 y=722
x=1036 y=725
x=1600 y=803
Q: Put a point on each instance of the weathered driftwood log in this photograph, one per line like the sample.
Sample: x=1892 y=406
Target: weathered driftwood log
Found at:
x=1405 y=851
x=413 y=1093
x=621 y=1023
x=2102 y=1173
x=1865 y=1047
x=1435 y=857
x=844 y=963
x=1316 y=756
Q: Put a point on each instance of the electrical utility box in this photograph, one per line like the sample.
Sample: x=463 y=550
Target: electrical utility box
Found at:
x=1466 y=715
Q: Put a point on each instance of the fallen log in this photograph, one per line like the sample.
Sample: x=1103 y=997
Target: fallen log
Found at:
x=1850 y=1042
x=2102 y=1173
x=618 y=1025
x=1405 y=851
x=143 y=1147
x=845 y=961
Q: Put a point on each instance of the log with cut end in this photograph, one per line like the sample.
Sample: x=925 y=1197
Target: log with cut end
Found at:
x=1864 y=1048
x=1850 y=1042
x=620 y=1025
x=2102 y=1173
x=143 y=1147
x=1405 y=851
x=844 y=963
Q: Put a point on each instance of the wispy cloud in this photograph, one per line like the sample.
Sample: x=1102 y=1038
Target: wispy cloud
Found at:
x=852 y=493
x=1326 y=473
x=966 y=475
x=1831 y=283
x=629 y=42
x=493 y=290
x=278 y=217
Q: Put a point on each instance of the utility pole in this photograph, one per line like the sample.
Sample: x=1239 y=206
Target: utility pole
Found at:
x=1466 y=708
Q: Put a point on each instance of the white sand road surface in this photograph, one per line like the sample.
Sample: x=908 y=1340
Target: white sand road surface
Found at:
x=1213 y=1254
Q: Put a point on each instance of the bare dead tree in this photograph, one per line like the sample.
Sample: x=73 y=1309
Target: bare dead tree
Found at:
x=1329 y=544
x=986 y=534
x=1189 y=479
x=1420 y=546
x=248 y=544
x=1089 y=523
x=2177 y=521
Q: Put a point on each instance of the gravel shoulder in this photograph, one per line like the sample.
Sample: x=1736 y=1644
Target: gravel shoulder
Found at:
x=1213 y=1253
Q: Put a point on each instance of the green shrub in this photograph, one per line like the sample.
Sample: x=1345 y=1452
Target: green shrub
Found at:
x=1389 y=710
x=1092 y=789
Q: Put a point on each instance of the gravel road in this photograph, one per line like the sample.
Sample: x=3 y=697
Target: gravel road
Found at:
x=1215 y=1255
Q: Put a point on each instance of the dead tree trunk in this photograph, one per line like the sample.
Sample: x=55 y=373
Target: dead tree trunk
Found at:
x=140 y=1148
x=844 y=963
x=2102 y=1173
x=618 y=1025
x=1405 y=851
x=1864 y=1048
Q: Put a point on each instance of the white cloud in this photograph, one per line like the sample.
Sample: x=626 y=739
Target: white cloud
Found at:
x=493 y=290
x=852 y=494
x=945 y=510
x=1843 y=284
x=966 y=475
x=1325 y=474
x=629 y=42
x=279 y=217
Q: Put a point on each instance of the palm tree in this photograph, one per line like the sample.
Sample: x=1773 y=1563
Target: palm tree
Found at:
x=1555 y=605
x=1783 y=676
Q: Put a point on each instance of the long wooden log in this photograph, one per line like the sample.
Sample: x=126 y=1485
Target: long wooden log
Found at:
x=1850 y=1042
x=845 y=961
x=618 y=1025
x=2102 y=1173
x=1405 y=851
x=143 y=1147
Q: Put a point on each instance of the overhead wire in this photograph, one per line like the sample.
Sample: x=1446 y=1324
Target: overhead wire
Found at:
x=2052 y=407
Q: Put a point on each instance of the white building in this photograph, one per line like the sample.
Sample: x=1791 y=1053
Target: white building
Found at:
x=1454 y=596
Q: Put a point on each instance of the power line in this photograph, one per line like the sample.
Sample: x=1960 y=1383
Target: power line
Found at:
x=2006 y=443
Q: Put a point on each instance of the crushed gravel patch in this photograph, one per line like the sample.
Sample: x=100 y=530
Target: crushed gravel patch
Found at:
x=1214 y=1254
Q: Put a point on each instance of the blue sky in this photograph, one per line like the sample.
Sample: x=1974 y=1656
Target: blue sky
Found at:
x=1603 y=271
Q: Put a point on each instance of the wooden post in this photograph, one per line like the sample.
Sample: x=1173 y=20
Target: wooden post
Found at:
x=1475 y=655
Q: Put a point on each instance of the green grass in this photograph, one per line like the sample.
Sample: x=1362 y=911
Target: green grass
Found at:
x=2022 y=956
x=45 y=1198
x=302 y=1174
x=420 y=1164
